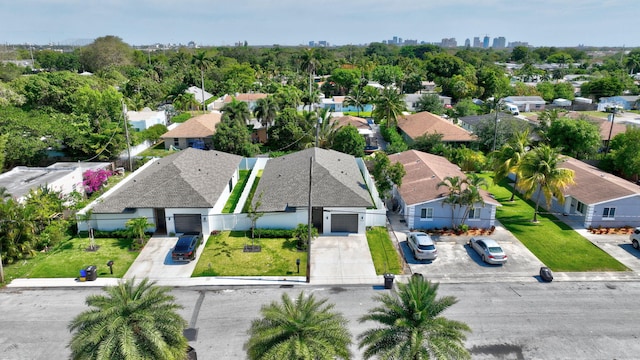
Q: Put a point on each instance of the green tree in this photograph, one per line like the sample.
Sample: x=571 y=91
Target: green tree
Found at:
x=387 y=75
x=104 y=52
x=360 y=96
x=237 y=110
x=137 y=228
x=234 y=137
x=546 y=90
x=411 y=325
x=299 y=329
x=130 y=321
x=625 y=152
x=202 y=61
x=453 y=198
x=428 y=143
x=287 y=132
x=564 y=90
x=577 y=138
x=345 y=79
x=602 y=87
x=266 y=110
x=389 y=106
x=386 y=174
x=507 y=127
x=540 y=172
x=430 y=103
x=507 y=159
x=347 y=140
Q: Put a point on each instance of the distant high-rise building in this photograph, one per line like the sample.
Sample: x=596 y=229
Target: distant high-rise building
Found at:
x=476 y=42
x=518 y=43
x=467 y=43
x=499 y=42
x=485 y=42
x=449 y=43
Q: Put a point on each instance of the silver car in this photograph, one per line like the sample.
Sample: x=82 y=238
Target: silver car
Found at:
x=489 y=250
x=422 y=246
x=635 y=238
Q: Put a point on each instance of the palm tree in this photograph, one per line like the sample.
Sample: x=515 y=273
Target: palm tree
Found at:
x=266 y=111
x=304 y=328
x=539 y=171
x=508 y=158
x=389 y=106
x=358 y=97
x=137 y=227
x=309 y=62
x=131 y=321
x=327 y=128
x=202 y=61
x=471 y=195
x=411 y=326
x=238 y=111
x=454 y=193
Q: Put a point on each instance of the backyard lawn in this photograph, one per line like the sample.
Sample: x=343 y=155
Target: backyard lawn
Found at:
x=66 y=260
x=556 y=244
x=384 y=254
x=224 y=256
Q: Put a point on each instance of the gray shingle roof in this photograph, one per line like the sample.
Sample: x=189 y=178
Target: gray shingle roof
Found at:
x=337 y=181
x=191 y=178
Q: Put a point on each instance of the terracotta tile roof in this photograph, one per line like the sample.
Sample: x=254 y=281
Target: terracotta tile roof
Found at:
x=423 y=172
x=425 y=122
x=200 y=126
x=247 y=97
x=594 y=186
x=358 y=122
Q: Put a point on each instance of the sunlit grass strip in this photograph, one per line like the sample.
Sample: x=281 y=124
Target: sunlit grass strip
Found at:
x=232 y=202
x=384 y=254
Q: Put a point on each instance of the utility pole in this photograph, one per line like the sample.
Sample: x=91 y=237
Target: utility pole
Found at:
x=309 y=223
x=317 y=129
x=126 y=132
x=495 y=130
x=612 y=117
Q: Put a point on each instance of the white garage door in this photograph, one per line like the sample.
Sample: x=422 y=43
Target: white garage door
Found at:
x=188 y=223
x=344 y=223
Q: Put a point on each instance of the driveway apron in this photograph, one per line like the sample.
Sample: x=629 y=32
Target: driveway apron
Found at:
x=155 y=263
x=342 y=260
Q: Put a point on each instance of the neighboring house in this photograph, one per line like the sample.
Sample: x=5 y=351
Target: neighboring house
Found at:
x=624 y=102
x=142 y=120
x=361 y=124
x=526 y=103
x=250 y=98
x=196 y=132
x=423 y=123
x=176 y=193
x=597 y=198
x=65 y=177
x=421 y=202
x=470 y=122
x=411 y=100
x=197 y=93
x=339 y=197
x=335 y=104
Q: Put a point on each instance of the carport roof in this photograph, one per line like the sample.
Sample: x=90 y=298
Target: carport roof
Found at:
x=337 y=181
x=191 y=178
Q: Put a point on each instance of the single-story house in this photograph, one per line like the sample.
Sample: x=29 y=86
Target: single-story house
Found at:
x=470 y=122
x=629 y=102
x=197 y=93
x=361 y=124
x=176 y=193
x=339 y=193
x=142 y=120
x=597 y=198
x=411 y=100
x=250 y=98
x=421 y=202
x=526 y=103
x=424 y=123
x=196 y=132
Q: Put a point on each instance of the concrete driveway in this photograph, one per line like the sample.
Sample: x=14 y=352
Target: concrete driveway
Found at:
x=342 y=260
x=154 y=261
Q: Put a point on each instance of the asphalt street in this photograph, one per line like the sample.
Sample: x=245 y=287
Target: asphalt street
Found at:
x=558 y=320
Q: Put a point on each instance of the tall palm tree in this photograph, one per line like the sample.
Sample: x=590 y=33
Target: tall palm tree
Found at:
x=238 y=111
x=266 y=111
x=508 y=158
x=539 y=171
x=411 y=326
x=131 y=321
x=389 y=106
x=454 y=193
x=297 y=329
x=202 y=61
x=310 y=62
x=471 y=195
x=358 y=97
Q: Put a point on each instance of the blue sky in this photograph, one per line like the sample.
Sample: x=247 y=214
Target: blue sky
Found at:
x=295 y=22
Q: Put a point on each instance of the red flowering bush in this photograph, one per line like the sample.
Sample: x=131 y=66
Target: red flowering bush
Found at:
x=94 y=180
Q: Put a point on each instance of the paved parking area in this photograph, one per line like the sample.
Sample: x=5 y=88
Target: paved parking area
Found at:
x=154 y=261
x=342 y=260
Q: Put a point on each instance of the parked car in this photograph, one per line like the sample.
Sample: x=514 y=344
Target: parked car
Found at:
x=422 y=246
x=635 y=238
x=370 y=149
x=489 y=250
x=186 y=246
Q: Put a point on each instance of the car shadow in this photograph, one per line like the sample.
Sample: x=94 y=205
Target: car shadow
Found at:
x=629 y=248
x=478 y=260
x=168 y=260
x=408 y=255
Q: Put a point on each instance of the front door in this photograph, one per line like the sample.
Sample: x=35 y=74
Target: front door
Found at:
x=316 y=218
x=161 y=221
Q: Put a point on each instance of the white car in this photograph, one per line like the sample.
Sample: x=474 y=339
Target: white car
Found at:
x=422 y=246
x=635 y=238
x=489 y=250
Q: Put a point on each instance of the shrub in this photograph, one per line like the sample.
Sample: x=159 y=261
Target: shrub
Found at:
x=94 y=180
x=274 y=233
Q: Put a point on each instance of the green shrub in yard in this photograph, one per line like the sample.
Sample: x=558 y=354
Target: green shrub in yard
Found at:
x=274 y=233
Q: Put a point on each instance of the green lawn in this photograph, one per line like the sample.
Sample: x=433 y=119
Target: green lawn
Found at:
x=232 y=202
x=245 y=209
x=224 y=256
x=384 y=254
x=156 y=151
x=556 y=244
x=66 y=260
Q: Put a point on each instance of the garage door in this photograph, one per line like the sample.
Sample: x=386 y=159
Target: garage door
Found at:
x=188 y=223
x=344 y=223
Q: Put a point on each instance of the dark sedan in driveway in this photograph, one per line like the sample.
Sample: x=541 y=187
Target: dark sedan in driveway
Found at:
x=185 y=249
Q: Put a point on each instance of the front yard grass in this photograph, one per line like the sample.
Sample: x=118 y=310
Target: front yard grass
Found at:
x=555 y=243
x=232 y=202
x=384 y=254
x=223 y=255
x=66 y=259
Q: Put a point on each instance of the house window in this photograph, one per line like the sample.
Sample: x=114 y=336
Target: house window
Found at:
x=609 y=213
x=474 y=213
x=580 y=207
x=176 y=141
x=426 y=214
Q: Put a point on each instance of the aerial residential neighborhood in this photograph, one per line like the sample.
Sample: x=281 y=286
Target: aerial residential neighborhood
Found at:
x=393 y=199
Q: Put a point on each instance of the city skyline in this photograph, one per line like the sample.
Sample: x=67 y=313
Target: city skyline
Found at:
x=567 y=23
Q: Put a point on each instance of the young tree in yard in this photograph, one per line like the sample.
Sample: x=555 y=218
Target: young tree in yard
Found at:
x=301 y=232
x=254 y=215
x=539 y=171
x=299 y=329
x=386 y=174
x=347 y=140
x=137 y=228
x=410 y=325
x=130 y=321
x=508 y=158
